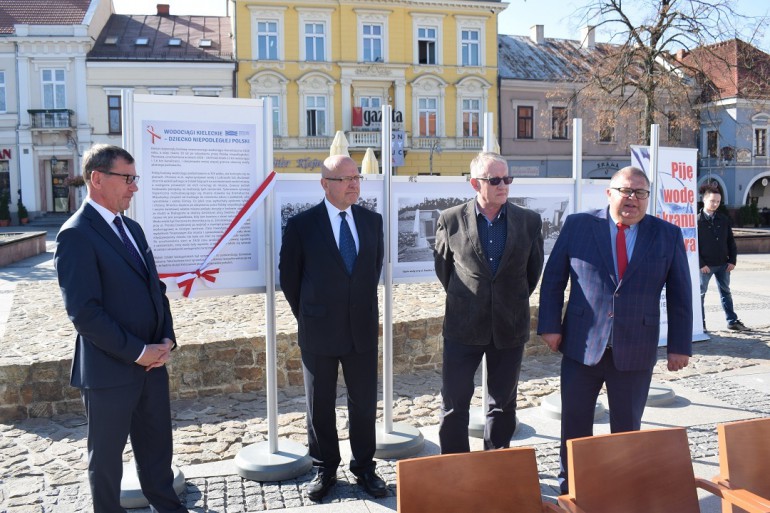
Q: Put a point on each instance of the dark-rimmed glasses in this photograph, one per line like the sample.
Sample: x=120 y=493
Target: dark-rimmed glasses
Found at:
x=495 y=180
x=628 y=192
x=129 y=178
x=347 y=179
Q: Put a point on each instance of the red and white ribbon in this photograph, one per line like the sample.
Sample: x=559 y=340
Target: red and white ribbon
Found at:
x=187 y=280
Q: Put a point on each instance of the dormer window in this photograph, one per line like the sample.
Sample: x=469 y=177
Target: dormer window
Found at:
x=142 y=41
x=204 y=43
x=174 y=41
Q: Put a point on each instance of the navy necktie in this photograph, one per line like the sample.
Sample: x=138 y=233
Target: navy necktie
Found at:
x=347 y=244
x=128 y=244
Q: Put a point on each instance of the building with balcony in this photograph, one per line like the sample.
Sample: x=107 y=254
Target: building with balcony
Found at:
x=330 y=65
x=734 y=114
x=44 y=122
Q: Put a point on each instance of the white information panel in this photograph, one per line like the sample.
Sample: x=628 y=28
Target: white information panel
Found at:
x=201 y=161
x=677 y=203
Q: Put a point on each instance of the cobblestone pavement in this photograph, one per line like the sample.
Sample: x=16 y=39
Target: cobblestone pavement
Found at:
x=42 y=467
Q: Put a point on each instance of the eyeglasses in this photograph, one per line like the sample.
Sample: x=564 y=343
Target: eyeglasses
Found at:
x=627 y=192
x=129 y=178
x=347 y=179
x=495 y=180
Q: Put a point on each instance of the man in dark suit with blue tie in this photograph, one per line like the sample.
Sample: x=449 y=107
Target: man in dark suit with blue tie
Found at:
x=330 y=263
x=617 y=261
x=125 y=335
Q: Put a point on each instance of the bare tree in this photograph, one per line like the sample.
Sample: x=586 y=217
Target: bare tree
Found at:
x=636 y=79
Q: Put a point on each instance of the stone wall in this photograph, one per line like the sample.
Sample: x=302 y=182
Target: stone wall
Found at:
x=221 y=351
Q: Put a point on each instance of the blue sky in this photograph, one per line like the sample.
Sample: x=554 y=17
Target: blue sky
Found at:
x=556 y=15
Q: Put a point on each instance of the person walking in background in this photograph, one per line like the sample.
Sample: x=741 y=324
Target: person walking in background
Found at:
x=125 y=335
x=717 y=254
x=488 y=257
x=617 y=261
x=330 y=263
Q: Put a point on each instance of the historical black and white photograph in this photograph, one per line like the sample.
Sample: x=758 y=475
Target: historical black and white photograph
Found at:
x=552 y=209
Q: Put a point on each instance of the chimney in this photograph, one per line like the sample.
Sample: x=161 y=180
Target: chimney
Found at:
x=681 y=54
x=163 y=9
x=537 y=34
x=587 y=37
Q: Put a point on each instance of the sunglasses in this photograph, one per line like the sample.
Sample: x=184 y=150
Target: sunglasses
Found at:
x=507 y=180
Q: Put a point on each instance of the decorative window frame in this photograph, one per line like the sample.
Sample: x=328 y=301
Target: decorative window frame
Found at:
x=429 y=86
x=163 y=91
x=424 y=20
x=472 y=88
x=316 y=83
x=705 y=141
x=263 y=13
x=370 y=16
x=207 y=91
x=270 y=83
x=472 y=23
x=315 y=15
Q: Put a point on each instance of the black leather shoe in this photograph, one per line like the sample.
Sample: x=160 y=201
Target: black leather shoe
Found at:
x=373 y=484
x=320 y=485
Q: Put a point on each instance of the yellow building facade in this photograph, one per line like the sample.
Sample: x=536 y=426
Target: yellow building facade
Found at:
x=330 y=65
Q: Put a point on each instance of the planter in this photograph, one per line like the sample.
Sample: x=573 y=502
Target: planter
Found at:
x=24 y=220
x=5 y=222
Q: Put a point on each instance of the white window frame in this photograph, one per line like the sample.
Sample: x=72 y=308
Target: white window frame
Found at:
x=163 y=91
x=267 y=14
x=59 y=100
x=428 y=21
x=211 y=92
x=566 y=122
x=429 y=86
x=270 y=83
x=473 y=23
x=428 y=107
x=372 y=17
x=3 y=99
x=316 y=84
x=317 y=16
x=472 y=88
x=760 y=121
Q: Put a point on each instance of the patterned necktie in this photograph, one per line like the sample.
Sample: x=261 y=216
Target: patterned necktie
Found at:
x=620 y=245
x=347 y=244
x=128 y=244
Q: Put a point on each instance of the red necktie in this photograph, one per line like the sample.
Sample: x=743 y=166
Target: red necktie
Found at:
x=620 y=245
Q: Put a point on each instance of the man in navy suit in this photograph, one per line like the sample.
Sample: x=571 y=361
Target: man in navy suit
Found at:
x=617 y=261
x=125 y=335
x=330 y=263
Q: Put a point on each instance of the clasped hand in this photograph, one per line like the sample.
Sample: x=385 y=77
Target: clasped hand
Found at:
x=156 y=355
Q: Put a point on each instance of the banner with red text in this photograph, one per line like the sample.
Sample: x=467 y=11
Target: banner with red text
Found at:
x=677 y=203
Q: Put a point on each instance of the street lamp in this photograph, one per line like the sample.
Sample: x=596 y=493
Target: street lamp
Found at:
x=435 y=147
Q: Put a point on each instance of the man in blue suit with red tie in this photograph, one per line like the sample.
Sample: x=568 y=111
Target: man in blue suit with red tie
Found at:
x=617 y=261
x=125 y=335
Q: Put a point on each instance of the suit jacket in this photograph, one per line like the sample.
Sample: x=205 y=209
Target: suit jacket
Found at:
x=481 y=307
x=336 y=312
x=599 y=305
x=116 y=306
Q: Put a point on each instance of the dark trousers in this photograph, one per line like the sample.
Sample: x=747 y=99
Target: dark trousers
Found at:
x=143 y=412
x=580 y=385
x=360 y=373
x=459 y=368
